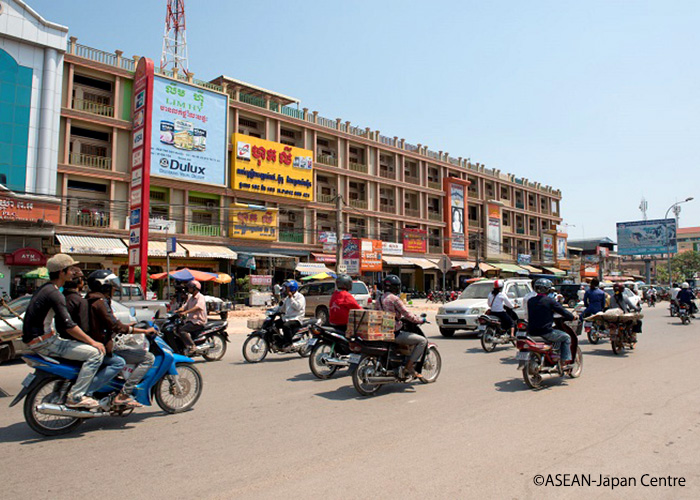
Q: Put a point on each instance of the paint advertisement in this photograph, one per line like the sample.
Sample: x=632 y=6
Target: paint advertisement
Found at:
x=455 y=214
x=647 y=237
x=254 y=224
x=190 y=128
x=362 y=255
x=415 y=240
x=493 y=230
x=271 y=168
x=548 y=248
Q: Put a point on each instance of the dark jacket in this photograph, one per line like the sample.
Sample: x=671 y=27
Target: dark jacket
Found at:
x=78 y=309
x=594 y=300
x=103 y=324
x=540 y=314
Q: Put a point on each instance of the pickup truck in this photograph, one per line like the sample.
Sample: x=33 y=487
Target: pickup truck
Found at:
x=131 y=295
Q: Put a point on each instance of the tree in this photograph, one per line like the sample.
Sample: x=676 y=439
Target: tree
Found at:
x=683 y=267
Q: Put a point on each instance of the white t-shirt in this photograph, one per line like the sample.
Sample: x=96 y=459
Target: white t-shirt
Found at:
x=497 y=302
x=294 y=307
x=674 y=293
x=581 y=294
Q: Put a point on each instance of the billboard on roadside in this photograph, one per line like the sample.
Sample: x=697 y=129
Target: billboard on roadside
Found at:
x=646 y=237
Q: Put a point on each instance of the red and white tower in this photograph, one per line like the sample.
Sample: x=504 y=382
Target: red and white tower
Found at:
x=174 y=57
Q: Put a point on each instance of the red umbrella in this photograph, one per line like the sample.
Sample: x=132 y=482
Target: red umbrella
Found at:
x=186 y=274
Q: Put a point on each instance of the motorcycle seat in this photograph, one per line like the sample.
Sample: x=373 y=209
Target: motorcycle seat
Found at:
x=308 y=322
x=214 y=325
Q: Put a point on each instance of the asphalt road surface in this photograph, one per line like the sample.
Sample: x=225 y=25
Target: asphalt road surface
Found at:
x=272 y=430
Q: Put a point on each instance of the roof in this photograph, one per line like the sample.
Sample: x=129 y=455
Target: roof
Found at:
x=591 y=243
x=41 y=20
x=688 y=230
x=254 y=89
x=311 y=268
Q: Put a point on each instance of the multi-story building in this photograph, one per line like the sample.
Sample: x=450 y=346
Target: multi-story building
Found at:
x=688 y=239
x=387 y=185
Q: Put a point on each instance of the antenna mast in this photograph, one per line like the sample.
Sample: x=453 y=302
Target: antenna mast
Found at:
x=174 y=57
x=644 y=206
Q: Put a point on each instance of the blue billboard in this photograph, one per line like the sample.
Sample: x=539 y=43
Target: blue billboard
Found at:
x=188 y=132
x=646 y=237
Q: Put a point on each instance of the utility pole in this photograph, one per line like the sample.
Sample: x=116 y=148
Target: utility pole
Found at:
x=339 y=232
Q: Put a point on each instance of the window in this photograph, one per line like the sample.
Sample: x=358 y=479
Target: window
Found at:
x=247 y=123
x=90 y=134
x=522 y=290
x=505 y=193
x=87 y=186
x=473 y=213
x=511 y=292
x=92 y=82
x=506 y=218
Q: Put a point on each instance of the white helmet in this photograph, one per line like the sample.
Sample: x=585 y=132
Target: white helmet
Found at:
x=685 y=285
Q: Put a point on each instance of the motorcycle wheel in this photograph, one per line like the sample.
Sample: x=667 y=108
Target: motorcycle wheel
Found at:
x=431 y=366
x=365 y=368
x=617 y=346
x=488 y=340
x=218 y=349
x=47 y=425
x=593 y=337
x=531 y=372
x=577 y=364
x=446 y=332
x=305 y=351
x=685 y=320
x=318 y=367
x=255 y=349
x=190 y=381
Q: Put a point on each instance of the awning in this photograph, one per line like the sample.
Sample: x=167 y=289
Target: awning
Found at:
x=394 y=260
x=510 y=268
x=463 y=264
x=486 y=267
x=289 y=253
x=422 y=263
x=91 y=245
x=310 y=268
x=158 y=249
x=208 y=251
x=530 y=269
x=324 y=257
x=554 y=270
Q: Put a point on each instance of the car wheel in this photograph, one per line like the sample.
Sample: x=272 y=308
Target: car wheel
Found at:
x=572 y=303
x=447 y=332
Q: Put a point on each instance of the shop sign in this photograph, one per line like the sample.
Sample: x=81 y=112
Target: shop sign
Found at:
x=371 y=258
x=351 y=255
x=25 y=257
x=261 y=280
x=455 y=216
x=265 y=167
x=134 y=237
x=590 y=259
x=389 y=248
x=603 y=252
x=14 y=209
x=162 y=226
x=246 y=261
x=415 y=240
x=525 y=259
x=254 y=224
x=548 y=248
x=564 y=264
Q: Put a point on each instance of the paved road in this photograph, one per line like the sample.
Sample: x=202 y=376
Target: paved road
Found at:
x=272 y=430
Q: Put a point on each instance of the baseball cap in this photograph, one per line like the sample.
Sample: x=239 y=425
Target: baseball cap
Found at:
x=59 y=262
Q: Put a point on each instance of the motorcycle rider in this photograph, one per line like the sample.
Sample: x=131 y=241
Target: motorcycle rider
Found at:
x=75 y=303
x=685 y=296
x=104 y=325
x=594 y=299
x=293 y=308
x=390 y=302
x=342 y=302
x=675 y=290
x=619 y=301
x=581 y=293
x=540 y=310
x=502 y=307
x=48 y=304
x=651 y=295
x=196 y=311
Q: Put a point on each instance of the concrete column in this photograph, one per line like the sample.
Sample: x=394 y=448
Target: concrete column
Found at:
x=66 y=142
x=64 y=202
x=115 y=135
x=185 y=210
x=222 y=216
x=69 y=87
x=117 y=98
x=45 y=167
x=113 y=222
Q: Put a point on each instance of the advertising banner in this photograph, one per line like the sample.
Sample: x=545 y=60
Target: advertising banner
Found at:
x=15 y=209
x=246 y=261
x=266 y=167
x=351 y=255
x=548 y=248
x=455 y=206
x=253 y=224
x=525 y=259
x=261 y=280
x=190 y=126
x=389 y=248
x=493 y=231
x=646 y=237
x=371 y=258
x=561 y=248
x=415 y=240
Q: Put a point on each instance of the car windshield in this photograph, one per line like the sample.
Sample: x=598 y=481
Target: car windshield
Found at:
x=18 y=306
x=477 y=291
x=359 y=288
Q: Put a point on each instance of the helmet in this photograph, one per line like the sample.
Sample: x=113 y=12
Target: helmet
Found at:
x=344 y=282
x=392 y=284
x=685 y=285
x=103 y=281
x=291 y=285
x=194 y=284
x=498 y=284
x=543 y=285
x=617 y=287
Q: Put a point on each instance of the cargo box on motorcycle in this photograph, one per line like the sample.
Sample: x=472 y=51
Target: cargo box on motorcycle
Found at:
x=371 y=325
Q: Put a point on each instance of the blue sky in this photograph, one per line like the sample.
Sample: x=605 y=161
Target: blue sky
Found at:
x=598 y=98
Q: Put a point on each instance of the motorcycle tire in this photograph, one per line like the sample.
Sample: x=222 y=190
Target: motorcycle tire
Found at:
x=305 y=351
x=433 y=360
x=593 y=338
x=34 y=418
x=258 y=352
x=578 y=364
x=191 y=382
x=531 y=374
x=219 y=350
x=617 y=346
x=361 y=386
x=488 y=340
x=317 y=367
x=446 y=332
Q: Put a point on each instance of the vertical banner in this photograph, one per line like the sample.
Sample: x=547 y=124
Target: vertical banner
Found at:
x=548 y=248
x=352 y=255
x=493 y=230
x=140 y=170
x=455 y=215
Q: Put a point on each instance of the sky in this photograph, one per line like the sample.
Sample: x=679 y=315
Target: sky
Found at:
x=598 y=98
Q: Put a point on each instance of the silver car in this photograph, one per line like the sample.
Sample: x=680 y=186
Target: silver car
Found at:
x=318 y=297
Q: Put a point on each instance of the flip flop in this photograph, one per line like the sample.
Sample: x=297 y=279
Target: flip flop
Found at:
x=129 y=403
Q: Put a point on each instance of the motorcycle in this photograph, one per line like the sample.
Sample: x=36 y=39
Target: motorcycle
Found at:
x=173 y=381
x=684 y=314
x=673 y=308
x=211 y=342
x=493 y=334
x=651 y=301
x=330 y=350
x=376 y=363
x=540 y=358
x=268 y=338
x=595 y=332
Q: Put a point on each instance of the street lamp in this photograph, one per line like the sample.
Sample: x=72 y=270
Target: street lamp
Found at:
x=668 y=237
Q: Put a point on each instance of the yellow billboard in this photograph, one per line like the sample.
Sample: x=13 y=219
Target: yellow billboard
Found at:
x=266 y=167
x=253 y=223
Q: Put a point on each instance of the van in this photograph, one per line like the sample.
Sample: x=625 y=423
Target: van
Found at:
x=318 y=297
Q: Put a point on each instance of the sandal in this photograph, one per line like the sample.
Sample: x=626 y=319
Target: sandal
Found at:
x=129 y=402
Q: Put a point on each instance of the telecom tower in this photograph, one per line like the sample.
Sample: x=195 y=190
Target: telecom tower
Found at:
x=174 y=57
x=644 y=206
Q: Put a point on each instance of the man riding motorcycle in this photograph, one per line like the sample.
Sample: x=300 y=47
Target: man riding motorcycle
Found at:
x=685 y=296
x=196 y=311
x=502 y=307
x=342 y=302
x=46 y=305
x=390 y=302
x=619 y=301
x=540 y=310
x=293 y=308
x=103 y=325
x=594 y=299
x=75 y=303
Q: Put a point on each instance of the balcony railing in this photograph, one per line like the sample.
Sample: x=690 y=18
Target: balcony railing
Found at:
x=436 y=216
x=361 y=204
x=412 y=179
x=93 y=107
x=325 y=198
x=520 y=205
x=292 y=236
x=473 y=194
x=251 y=99
x=196 y=229
x=520 y=230
x=434 y=185
x=88 y=219
x=412 y=212
x=387 y=174
x=102 y=162
x=387 y=209
x=327 y=160
x=358 y=167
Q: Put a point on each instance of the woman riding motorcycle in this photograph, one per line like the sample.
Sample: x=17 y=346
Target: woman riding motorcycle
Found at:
x=342 y=302
x=390 y=302
x=502 y=307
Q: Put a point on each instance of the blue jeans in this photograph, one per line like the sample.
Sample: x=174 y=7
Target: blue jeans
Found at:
x=111 y=366
x=561 y=341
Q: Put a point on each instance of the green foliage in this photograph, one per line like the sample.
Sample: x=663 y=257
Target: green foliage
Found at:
x=137 y=277
x=243 y=284
x=683 y=267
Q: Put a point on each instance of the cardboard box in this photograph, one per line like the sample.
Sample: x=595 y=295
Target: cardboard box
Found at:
x=371 y=325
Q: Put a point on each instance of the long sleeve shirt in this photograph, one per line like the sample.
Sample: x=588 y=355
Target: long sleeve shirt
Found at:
x=685 y=296
x=594 y=300
x=294 y=307
x=499 y=302
x=342 y=302
x=618 y=301
x=78 y=309
x=391 y=303
x=103 y=324
x=46 y=306
x=540 y=314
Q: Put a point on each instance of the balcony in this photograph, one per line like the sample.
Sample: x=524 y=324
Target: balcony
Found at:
x=361 y=204
x=473 y=194
x=387 y=209
x=327 y=160
x=434 y=185
x=436 y=216
x=520 y=205
x=92 y=107
x=92 y=161
x=196 y=229
x=325 y=198
x=411 y=179
x=86 y=218
x=520 y=230
x=292 y=236
x=358 y=167
x=412 y=212
x=387 y=174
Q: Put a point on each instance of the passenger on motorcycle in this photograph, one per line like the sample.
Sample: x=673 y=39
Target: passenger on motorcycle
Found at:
x=293 y=309
x=196 y=311
x=390 y=302
x=46 y=305
x=619 y=301
x=502 y=307
x=540 y=310
x=342 y=302
x=594 y=299
x=104 y=325
x=685 y=296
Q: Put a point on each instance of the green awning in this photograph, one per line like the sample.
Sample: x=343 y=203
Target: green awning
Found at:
x=554 y=270
x=510 y=268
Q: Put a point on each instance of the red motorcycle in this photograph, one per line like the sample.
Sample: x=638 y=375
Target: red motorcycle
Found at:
x=540 y=358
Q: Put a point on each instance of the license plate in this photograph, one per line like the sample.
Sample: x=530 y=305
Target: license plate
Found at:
x=522 y=356
x=354 y=359
x=451 y=320
x=311 y=342
x=481 y=328
x=28 y=380
x=587 y=324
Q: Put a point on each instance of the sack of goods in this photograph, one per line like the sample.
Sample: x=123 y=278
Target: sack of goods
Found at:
x=615 y=316
x=371 y=325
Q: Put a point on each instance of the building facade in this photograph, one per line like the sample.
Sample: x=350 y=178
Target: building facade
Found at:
x=688 y=239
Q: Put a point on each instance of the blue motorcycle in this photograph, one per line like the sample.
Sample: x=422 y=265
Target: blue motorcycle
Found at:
x=173 y=381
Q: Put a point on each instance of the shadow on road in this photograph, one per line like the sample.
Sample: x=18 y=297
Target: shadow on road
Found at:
x=603 y=352
x=348 y=392
x=512 y=385
x=303 y=377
